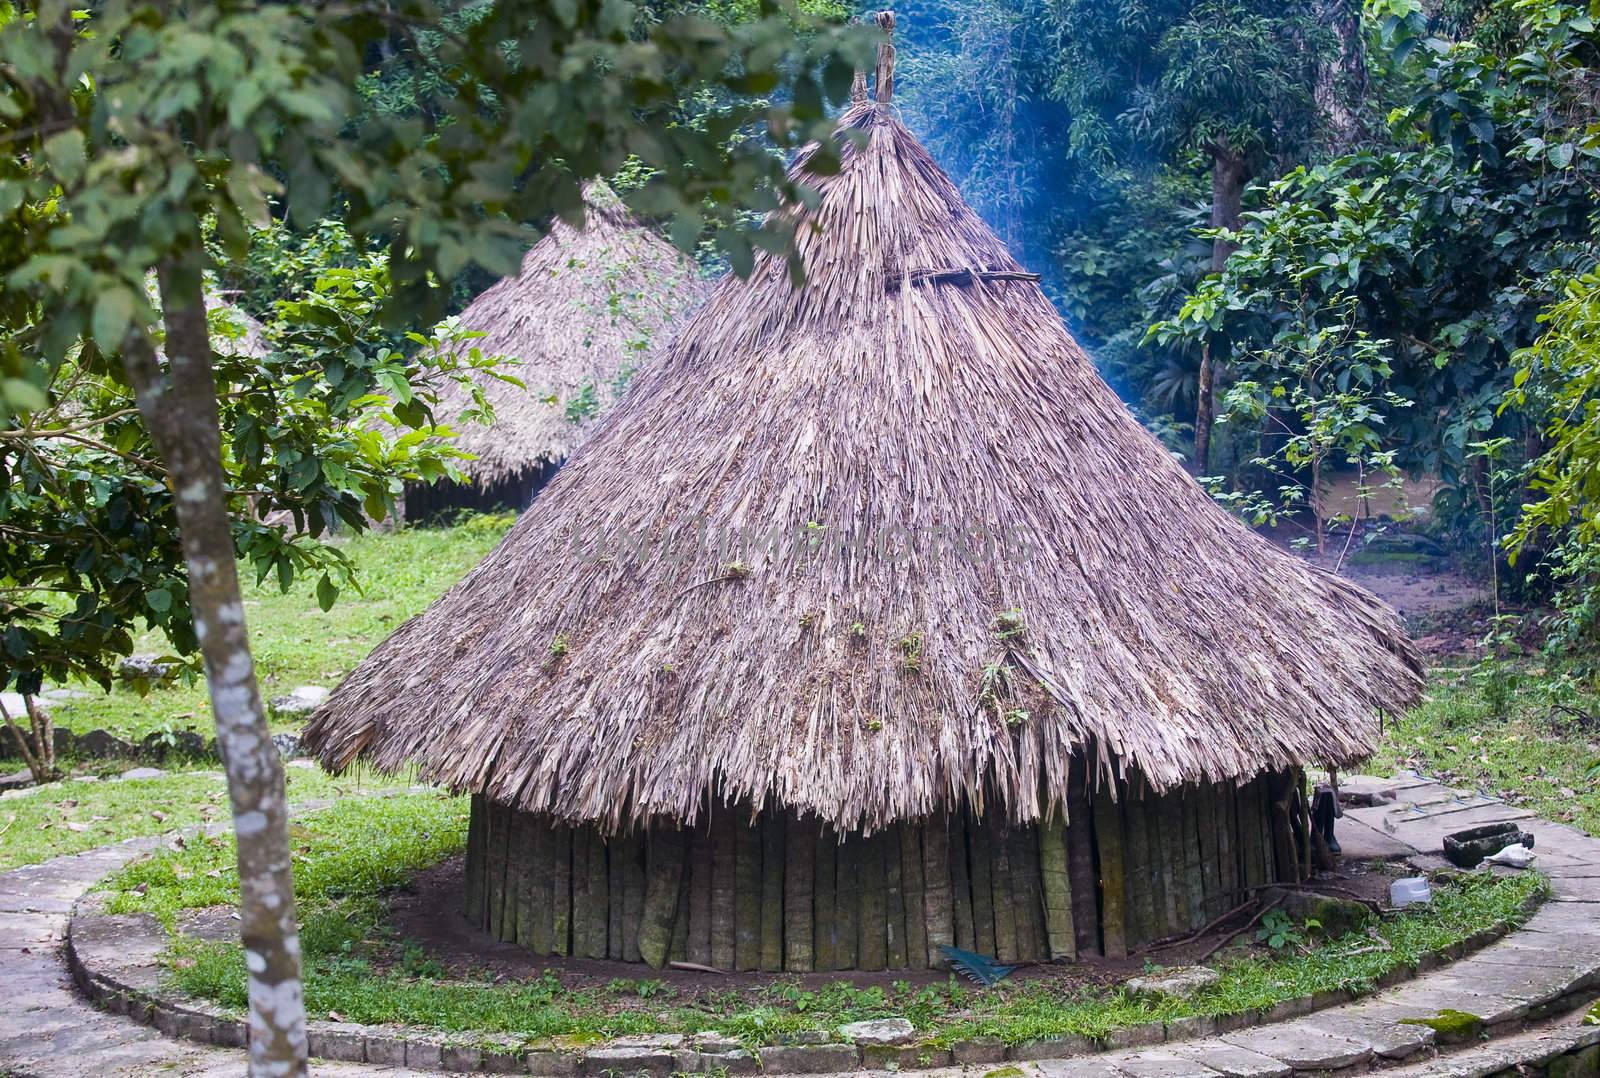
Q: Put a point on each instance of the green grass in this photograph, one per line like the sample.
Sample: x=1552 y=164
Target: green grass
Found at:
x=296 y=643
x=347 y=859
x=87 y=811
x=1539 y=748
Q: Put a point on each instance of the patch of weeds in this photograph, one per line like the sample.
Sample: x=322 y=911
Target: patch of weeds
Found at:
x=559 y=645
x=911 y=651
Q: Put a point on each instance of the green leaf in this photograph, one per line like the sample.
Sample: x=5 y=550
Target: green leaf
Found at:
x=64 y=153
x=327 y=593
x=159 y=599
x=113 y=311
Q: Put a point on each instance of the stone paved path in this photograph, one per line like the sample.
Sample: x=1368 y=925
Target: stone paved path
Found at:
x=47 y=1030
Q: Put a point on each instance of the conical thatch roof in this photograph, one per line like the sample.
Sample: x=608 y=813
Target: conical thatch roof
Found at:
x=585 y=310
x=920 y=380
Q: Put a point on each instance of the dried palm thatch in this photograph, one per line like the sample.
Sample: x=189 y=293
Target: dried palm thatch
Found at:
x=605 y=664
x=587 y=307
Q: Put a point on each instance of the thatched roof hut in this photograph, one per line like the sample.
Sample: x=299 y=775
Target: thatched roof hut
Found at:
x=588 y=307
x=994 y=654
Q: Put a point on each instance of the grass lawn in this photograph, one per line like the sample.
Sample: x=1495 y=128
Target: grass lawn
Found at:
x=349 y=856
x=294 y=642
x=88 y=811
x=1540 y=749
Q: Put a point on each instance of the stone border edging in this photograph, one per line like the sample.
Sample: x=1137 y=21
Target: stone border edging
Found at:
x=115 y=961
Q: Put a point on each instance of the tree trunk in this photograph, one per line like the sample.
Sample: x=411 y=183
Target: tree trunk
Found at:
x=179 y=404
x=1340 y=88
x=1228 y=177
x=38 y=745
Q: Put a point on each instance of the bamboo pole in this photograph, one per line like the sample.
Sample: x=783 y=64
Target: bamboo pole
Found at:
x=870 y=942
x=500 y=860
x=1057 y=887
x=663 y=876
x=747 y=870
x=1194 y=878
x=912 y=887
x=825 y=921
x=961 y=883
x=938 y=914
x=725 y=826
x=1113 y=888
x=1227 y=845
x=798 y=860
x=1082 y=877
x=772 y=834
x=847 y=902
x=581 y=902
x=1002 y=905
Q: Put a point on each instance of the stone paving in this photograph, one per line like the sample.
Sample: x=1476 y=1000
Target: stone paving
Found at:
x=1536 y=975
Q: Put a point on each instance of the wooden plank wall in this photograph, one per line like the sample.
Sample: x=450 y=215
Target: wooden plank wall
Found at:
x=1124 y=868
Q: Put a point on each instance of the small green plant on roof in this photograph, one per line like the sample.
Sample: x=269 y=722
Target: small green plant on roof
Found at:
x=559 y=644
x=911 y=650
x=736 y=570
x=858 y=629
x=1017 y=716
x=1009 y=625
x=808 y=619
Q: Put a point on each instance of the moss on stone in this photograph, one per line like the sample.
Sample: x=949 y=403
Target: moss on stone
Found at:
x=1004 y=1072
x=1452 y=1026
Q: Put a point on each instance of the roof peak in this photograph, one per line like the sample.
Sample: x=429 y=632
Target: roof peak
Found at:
x=883 y=74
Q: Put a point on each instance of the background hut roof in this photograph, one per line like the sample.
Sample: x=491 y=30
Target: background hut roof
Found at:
x=919 y=381
x=586 y=306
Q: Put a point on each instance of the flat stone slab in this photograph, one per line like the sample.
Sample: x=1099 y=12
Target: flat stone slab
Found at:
x=1302 y=1047
x=879 y=1031
x=1383 y=1032
x=1089 y=1067
x=1231 y=1061
x=1155 y=1063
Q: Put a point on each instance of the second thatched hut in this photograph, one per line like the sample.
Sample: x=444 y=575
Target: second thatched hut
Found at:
x=587 y=310
x=872 y=622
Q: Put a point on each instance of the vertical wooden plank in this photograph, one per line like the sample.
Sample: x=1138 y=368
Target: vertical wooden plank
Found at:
x=725 y=825
x=561 y=891
x=599 y=896
x=1227 y=848
x=980 y=863
x=1194 y=878
x=1057 y=887
x=1170 y=819
x=617 y=849
x=870 y=942
x=1209 y=863
x=1108 y=833
x=633 y=895
x=912 y=886
x=581 y=903
x=477 y=868
x=938 y=914
x=1156 y=868
x=772 y=835
x=1027 y=894
x=1136 y=865
x=825 y=919
x=894 y=901
x=961 y=882
x=664 y=853
x=847 y=902
x=500 y=854
x=747 y=896
x=679 y=951
x=799 y=891
x=535 y=841
x=1005 y=911
x=1082 y=874
x=698 y=945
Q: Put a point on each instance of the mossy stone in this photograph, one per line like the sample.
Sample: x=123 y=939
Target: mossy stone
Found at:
x=1452 y=1026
